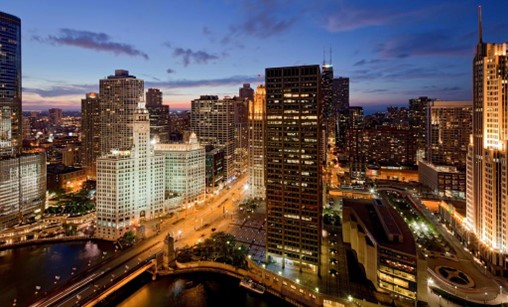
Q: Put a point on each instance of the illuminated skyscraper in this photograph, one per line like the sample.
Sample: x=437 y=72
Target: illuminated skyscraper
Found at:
x=294 y=166
x=10 y=91
x=90 y=132
x=130 y=183
x=487 y=168
x=257 y=121
x=22 y=176
x=119 y=97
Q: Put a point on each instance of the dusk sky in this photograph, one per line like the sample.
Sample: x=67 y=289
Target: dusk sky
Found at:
x=390 y=50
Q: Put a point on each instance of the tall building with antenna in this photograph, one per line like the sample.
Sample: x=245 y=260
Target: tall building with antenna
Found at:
x=487 y=168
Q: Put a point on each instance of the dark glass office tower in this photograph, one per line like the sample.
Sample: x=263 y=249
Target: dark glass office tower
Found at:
x=293 y=166
x=10 y=85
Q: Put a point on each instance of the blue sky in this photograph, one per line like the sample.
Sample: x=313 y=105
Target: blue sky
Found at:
x=391 y=50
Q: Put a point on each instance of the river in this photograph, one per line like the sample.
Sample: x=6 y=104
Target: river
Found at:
x=25 y=268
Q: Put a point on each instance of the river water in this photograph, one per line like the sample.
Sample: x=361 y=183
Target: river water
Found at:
x=23 y=269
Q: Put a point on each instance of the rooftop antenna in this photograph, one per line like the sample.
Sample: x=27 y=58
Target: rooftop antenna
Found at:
x=324 y=57
x=480 y=40
x=330 y=55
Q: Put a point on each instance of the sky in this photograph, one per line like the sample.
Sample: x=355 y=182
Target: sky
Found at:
x=391 y=50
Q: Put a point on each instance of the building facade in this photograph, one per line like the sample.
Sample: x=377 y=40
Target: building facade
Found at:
x=90 y=133
x=22 y=189
x=159 y=116
x=22 y=177
x=130 y=183
x=184 y=171
x=256 y=156
x=487 y=168
x=213 y=121
x=449 y=125
x=10 y=91
x=293 y=162
x=385 y=247
x=119 y=96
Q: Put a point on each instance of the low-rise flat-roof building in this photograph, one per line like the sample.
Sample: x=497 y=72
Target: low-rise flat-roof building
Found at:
x=385 y=247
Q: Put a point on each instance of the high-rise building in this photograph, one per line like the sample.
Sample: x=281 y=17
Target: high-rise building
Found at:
x=213 y=121
x=90 y=133
x=130 y=183
x=449 y=125
x=257 y=120
x=22 y=176
x=55 y=116
x=10 y=91
x=293 y=166
x=340 y=101
x=119 y=97
x=159 y=116
x=356 y=157
x=185 y=171
x=416 y=118
x=329 y=118
x=487 y=170
x=241 y=107
x=246 y=92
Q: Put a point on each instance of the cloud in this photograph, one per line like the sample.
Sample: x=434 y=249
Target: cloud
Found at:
x=262 y=19
x=184 y=83
x=345 y=18
x=61 y=90
x=189 y=56
x=430 y=43
x=170 y=71
x=90 y=40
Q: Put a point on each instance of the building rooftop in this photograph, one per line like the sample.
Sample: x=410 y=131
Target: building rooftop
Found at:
x=382 y=224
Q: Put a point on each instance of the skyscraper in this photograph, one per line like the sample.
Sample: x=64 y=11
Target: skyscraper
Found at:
x=10 y=91
x=159 y=116
x=257 y=121
x=22 y=176
x=340 y=101
x=293 y=166
x=119 y=97
x=487 y=170
x=55 y=116
x=213 y=121
x=356 y=157
x=448 y=126
x=130 y=183
x=90 y=132
x=246 y=92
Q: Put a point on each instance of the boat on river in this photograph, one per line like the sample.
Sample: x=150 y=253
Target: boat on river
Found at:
x=250 y=284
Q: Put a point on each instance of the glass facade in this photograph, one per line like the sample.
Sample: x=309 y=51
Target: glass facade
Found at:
x=10 y=85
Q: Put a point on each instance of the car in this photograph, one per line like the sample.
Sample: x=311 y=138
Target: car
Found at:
x=333 y=242
x=213 y=229
x=333 y=272
x=333 y=251
x=333 y=260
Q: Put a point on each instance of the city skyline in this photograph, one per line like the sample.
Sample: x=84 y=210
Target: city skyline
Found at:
x=405 y=50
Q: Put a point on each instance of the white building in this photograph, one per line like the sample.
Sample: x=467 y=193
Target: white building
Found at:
x=185 y=171
x=130 y=183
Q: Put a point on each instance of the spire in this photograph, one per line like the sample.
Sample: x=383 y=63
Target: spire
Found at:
x=330 y=55
x=480 y=40
x=324 y=57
